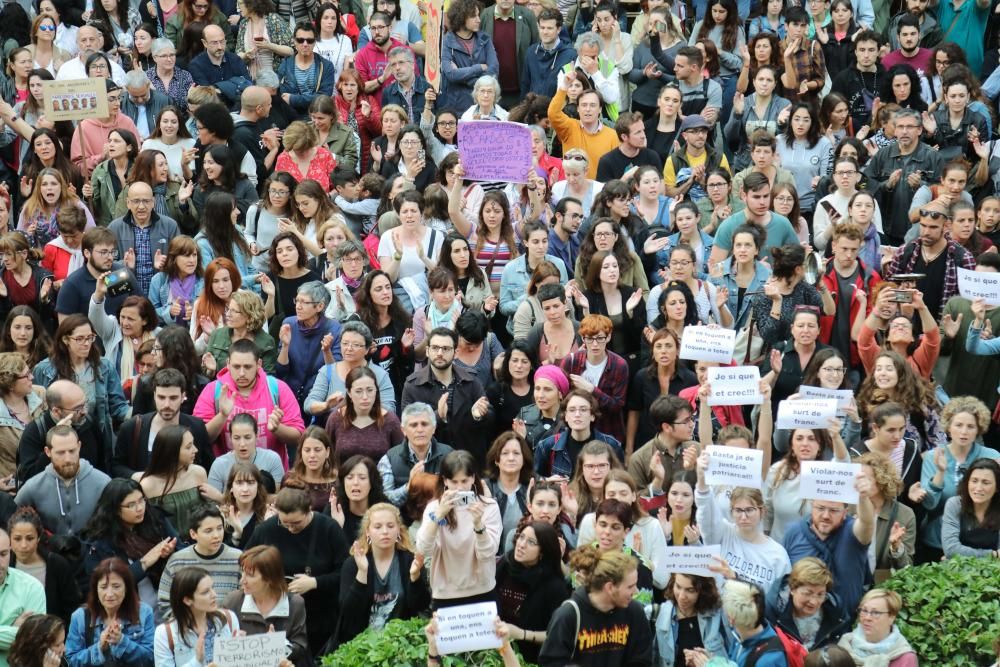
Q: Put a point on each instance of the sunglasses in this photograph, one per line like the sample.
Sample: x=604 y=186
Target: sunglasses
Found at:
x=47 y=28
x=305 y=40
x=934 y=215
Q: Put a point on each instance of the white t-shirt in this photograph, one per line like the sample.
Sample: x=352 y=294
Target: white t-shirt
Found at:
x=593 y=372
x=336 y=49
x=411 y=263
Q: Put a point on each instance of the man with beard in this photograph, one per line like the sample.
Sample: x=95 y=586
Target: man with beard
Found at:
x=630 y=153
x=135 y=437
x=464 y=414
x=372 y=61
x=839 y=540
x=88 y=41
x=564 y=242
x=99 y=246
x=65 y=494
x=935 y=256
x=21 y=596
x=67 y=407
x=221 y=69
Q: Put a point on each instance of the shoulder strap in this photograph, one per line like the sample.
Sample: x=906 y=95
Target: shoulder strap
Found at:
x=218 y=392
x=704 y=87
x=170 y=637
x=133 y=452
x=576 y=610
x=272 y=385
x=772 y=645
x=88 y=629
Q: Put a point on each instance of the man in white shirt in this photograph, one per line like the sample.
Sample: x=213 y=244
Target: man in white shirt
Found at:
x=89 y=41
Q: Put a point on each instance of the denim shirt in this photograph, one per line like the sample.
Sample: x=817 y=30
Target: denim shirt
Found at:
x=728 y=280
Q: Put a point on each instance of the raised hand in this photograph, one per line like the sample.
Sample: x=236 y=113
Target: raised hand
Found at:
x=416 y=567
x=226 y=402
x=130 y=259
x=274 y=419
x=951 y=325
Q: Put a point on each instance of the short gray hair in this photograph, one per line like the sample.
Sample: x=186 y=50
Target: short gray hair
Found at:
x=136 y=79
x=316 y=291
x=268 y=79
x=161 y=44
x=359 y=329
x=349 y=247
x=588 y=39
x=907 y=113
x=539 y=132
x=403 y=51
x=415 y=410
x=486 y=80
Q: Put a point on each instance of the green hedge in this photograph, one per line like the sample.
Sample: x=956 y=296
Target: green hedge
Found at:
x=951 y=610
x=402 y=644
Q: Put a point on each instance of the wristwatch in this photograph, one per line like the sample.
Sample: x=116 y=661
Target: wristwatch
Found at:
x=398 y=256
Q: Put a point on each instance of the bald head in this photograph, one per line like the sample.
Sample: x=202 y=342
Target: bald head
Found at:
x=88 y=40
x=66 y=399
x=140 y=202
x=253 y=97
x=214 y=40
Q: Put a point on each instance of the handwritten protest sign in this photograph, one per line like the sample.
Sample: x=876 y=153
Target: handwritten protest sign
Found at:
x=814 y=413
x=708 y=344
x=266 y=650
x=734 y=466
x=692 y=560
x=979 y=285
x=432 y=56
x=829 y=480
x=467 y=627
x=75 y=99
x=738 y=385
x=842 y=396
x=492 y=150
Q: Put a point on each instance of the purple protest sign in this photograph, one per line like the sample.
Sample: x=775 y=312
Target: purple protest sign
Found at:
x=493 y=150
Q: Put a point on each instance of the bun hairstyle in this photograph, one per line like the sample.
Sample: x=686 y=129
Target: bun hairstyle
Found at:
x=597 y=568
x=786 y=259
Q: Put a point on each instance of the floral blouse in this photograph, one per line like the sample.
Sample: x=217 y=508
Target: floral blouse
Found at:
x=319 y=170
x=179 y=86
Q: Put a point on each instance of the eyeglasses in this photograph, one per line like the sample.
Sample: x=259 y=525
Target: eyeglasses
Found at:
x=78 y=410
x=745 y=511
x=529 y=541
x=305 y=40
x=874 y=613
x=216 y=42
x=100 y=67
x=835 y=371
x=352 y=259
x=680 y=263
x=351 y=346
x=232 y=311
x=375 y=28
x=114 y=99
x=47 y=28
x=595 y=339
x=934 y=215
x=595 y=467
x=845 y=173
x=786 y=199
x=943 y=63
x=442 y=349
x=828 y=511
x=278 y=193
x=410 y=142
x=717 y=185
x=303 y=302
x=603 y=235
x=134 y=505
x=26 y=375
x=83 y=340
x=684 y=422
x=165 y=55
x=447 y=123
x=141 y=202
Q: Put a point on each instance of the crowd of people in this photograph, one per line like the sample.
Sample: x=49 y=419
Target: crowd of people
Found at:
x=269 y=361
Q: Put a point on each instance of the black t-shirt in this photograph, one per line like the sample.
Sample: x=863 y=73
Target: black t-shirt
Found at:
x=933 y=285
x=840 y=337
x=614 y=163
x=688 y=637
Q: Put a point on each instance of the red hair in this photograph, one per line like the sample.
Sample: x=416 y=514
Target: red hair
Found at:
x=208 y=304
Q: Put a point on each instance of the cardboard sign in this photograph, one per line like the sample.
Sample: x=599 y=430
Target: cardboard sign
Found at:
x=815 y=413
x=493 y=150
x=734 y=466
x=467 y=627
x=829 y=480
x=692 y=560
x=432 y=56
x=708 y=344
x=842 y=396
x=979 y=285
x=266 y=650
x=75 y=99
x=738 y=385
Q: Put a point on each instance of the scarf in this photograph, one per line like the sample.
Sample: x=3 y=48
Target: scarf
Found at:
x=875 y=654
x=350 y=283
x=530 y=577
x=160 y=200
x=126 y=363
x=136 y=546
x=445 y=319
x=870 y=252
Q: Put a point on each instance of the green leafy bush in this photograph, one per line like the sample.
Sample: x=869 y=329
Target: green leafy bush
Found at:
x=402 y=644
x=951 y=610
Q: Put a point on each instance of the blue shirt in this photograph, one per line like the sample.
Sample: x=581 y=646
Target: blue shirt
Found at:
x=846 y=557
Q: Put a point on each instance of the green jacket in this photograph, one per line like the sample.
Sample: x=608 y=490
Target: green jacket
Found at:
x=174 y=29
x=187 y=224
x=277 y=30
x=221 y=340
x=102 y=201
x=343 y=143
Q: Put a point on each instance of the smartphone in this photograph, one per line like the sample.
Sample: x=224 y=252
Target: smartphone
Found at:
x=830 y=210
x=902 y=296
x=422 y=155
x=464 y=498
x=661 y=26
x=259 y=39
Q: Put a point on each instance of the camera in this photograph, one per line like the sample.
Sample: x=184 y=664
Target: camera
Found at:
x=902 y=296
x=118 y=283
x=464 y=498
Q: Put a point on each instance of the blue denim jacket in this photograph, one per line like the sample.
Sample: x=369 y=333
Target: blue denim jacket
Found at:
x=135 y=648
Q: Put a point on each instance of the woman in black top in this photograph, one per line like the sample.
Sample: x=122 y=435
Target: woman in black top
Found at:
x=289 y=266
x=513 y=388
x=358 y=489
x=530 y=585
x=391 y=325
x=665 y=374
x=509 y=470
x=313 y=548
x=26 y=532
x=382 y=569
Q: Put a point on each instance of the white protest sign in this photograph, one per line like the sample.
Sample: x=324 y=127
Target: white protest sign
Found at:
x=815 y=413
x=467 y=627
x=708 y=344
x=692 y=560
x=979 y=285
x=739 y=385
x=842 y=396
x=734 y=466
x=266 y=650
x=829 y=480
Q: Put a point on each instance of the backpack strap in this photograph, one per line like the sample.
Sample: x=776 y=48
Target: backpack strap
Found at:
x=772 y=645
x=576 y=610
x=133 y=453
x=272 y=385
x=170 y=637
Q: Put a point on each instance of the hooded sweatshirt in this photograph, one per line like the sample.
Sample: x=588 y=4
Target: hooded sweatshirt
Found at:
x=65 y=507
x=259 y=403
x=617 y=638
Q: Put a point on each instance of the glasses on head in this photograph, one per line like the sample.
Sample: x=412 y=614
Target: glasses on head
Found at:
x=745 y=511
x=578 y=158
x=595 y=339
x=157 y=349
x=805 y=309
x=305 y=40
x=934 y=215
x=134 y=506
x=440 y=349
x=83 y=340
